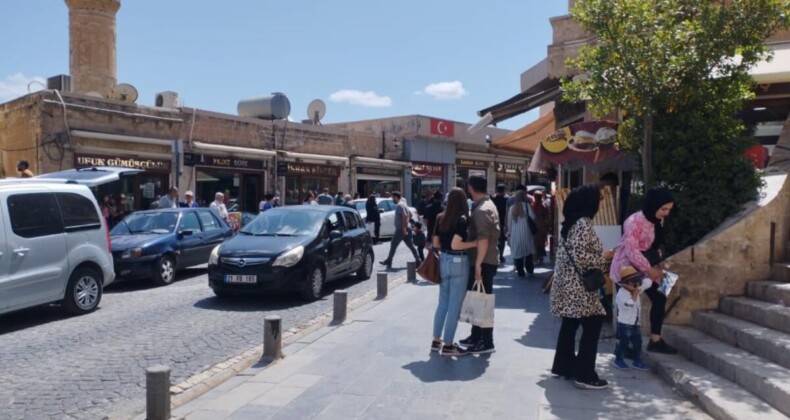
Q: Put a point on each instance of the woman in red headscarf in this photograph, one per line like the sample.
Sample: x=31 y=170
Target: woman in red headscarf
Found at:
x=543 y=223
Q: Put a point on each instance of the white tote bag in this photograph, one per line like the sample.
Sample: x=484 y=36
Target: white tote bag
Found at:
x=478 y=307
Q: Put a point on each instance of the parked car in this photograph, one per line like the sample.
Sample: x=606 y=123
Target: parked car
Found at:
x=156 y=243
x=54 y=243
x=293 y=249
x=387 y=210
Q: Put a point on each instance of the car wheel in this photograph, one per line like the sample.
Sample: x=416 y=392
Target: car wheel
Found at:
x=314 y=284
x=83 y=292
x=366 y=270
x=165 y=271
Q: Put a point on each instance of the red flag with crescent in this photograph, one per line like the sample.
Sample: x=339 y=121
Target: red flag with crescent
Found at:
x=442 y=127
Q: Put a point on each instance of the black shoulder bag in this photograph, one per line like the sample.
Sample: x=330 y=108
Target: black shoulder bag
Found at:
x=592 y=279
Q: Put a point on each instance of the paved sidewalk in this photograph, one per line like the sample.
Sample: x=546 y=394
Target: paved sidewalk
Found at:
x=378 y=366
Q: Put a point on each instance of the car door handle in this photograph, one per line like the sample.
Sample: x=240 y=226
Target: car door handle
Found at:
x=21 y=251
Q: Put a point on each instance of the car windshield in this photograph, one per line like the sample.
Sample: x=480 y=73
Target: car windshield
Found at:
x=282 y=222
x=160 y=222
x=360 y=205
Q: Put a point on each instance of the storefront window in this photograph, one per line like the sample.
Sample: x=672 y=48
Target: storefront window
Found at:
x=367 y=187
x=296 y=188
x=426 y=179
x=509 y=175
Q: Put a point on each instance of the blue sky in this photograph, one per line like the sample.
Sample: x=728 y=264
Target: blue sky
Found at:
x=365 y=58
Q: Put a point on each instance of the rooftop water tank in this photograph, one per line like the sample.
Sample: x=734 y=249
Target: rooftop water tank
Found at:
x=273 y=107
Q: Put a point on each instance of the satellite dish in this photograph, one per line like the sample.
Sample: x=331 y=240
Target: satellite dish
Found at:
x=125 y=92
x=94 y=94
x=316 y=110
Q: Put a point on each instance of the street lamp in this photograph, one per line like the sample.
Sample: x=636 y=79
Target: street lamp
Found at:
x=488 y=141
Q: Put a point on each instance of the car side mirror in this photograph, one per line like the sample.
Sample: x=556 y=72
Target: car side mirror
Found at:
x=335 y=234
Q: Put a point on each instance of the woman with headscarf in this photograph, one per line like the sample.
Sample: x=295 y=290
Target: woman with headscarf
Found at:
x=641 y=247
x=522 y=243
x=579 y=247
x=542 y=223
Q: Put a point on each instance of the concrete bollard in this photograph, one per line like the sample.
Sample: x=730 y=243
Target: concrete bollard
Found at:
x=411 y=271
x=382 y=283
x=272 y=337
x=341 y=306
x=157 y=393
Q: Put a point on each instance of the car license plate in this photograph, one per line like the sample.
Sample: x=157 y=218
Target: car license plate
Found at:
x=246 y=279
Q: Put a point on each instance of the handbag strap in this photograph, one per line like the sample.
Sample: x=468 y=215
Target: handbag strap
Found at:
x=573 y=262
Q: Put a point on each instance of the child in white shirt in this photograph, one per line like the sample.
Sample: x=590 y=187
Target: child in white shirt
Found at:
x=629 y=310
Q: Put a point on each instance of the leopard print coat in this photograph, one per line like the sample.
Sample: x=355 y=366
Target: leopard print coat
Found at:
x=569 y=298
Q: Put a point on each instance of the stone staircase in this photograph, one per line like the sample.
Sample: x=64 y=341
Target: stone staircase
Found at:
x=735 y=362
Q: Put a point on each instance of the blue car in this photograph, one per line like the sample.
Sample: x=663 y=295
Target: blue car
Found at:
x=155 y=243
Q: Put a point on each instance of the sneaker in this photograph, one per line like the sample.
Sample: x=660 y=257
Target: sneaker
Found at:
x=661 y=346
x=563 y=377
x=453 y=350
x=594 y=384
x=436 y=345
x=482 y=348
x=640 y=365
x=386 y=263
x=620 y=364
x=467 y=342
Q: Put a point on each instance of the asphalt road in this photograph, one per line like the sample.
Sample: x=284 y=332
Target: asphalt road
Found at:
x=92 y=366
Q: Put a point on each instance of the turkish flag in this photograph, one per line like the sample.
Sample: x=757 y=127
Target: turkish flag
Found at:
x=442 y=127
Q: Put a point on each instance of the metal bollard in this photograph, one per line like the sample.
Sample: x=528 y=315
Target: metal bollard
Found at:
x=341 y=306
x=411 y=271
x=382 y=282
x=272 y=337
x=157 y=393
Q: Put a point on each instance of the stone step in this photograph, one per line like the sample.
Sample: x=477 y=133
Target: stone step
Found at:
x=780 y=272
x=765 y=342
x=769 y=291
x=765 y=379
x=721 y=398
x=757 y=311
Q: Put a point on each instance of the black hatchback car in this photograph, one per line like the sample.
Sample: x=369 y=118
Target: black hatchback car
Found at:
x=293 y=249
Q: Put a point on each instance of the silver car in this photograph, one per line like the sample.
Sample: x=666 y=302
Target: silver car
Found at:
x=387 y=210
x=54 y=243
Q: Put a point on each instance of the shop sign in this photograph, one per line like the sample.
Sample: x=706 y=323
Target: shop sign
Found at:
x=81 y=161
x=427 y=170
x=471 y=163
x=291 y=168
x=367 y=170
x=199 y=159
x=508 y=167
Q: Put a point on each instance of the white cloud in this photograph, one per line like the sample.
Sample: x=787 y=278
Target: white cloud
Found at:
x=357 y=97
x=15 y=85
x=444 y=90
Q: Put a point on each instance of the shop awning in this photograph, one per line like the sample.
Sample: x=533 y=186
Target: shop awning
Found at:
x=381 y=162
x=120 y=137
x=523 y=102
x=309 y=157
x=775 y=71
x=588 y=144
x=204 y=177
x=233 y=149
x=527 y=139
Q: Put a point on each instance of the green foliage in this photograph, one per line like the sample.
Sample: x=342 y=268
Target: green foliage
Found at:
x=668 y=68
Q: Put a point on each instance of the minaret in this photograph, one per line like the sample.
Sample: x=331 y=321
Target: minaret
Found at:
x=92 y=45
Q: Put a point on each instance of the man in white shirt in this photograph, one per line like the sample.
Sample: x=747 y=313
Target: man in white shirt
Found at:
x=218 y=205
x=169 y=200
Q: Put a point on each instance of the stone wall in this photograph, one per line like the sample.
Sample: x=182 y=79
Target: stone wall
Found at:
x=20 y=132
x=738 y=252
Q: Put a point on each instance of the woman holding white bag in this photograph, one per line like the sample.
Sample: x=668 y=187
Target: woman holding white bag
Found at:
x=450 y=239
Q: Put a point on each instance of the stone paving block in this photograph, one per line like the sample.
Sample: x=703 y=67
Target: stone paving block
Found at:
x=254 y=412
x=301 y=380
x=207 y=415
x=347 y=406
x=239 y=396
x=279 y=396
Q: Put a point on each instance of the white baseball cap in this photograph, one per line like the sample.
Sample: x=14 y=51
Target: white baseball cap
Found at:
x=189 y=193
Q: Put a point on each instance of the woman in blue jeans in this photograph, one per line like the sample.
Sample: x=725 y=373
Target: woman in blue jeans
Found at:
x=450 y=239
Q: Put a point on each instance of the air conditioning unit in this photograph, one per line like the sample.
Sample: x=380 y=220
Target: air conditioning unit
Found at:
x=166 y=99
x=61 y=82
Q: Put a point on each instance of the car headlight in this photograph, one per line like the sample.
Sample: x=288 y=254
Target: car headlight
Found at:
x=213 y=259
x=132 y=253
x=290 y=258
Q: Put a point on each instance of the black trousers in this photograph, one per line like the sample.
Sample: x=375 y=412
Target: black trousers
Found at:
x=376 y=229
x=569 y=363
x=406 y=239
x=658 y=303
x=489 y=271
x=520 y=263
x=501 y=244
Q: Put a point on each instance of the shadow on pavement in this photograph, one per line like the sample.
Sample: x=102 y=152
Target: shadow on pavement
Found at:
x=32 y=317
x=135 y=285
x=447 y=369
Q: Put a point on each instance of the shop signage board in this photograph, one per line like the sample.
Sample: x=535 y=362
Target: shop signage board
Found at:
x=200 y=159
x=427 y=170
x=86 y=160
x=367 y=170
x=471 y=163
x=293 y=168
x=508 y=172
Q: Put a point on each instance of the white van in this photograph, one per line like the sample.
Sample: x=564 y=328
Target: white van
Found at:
x=54 y=244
